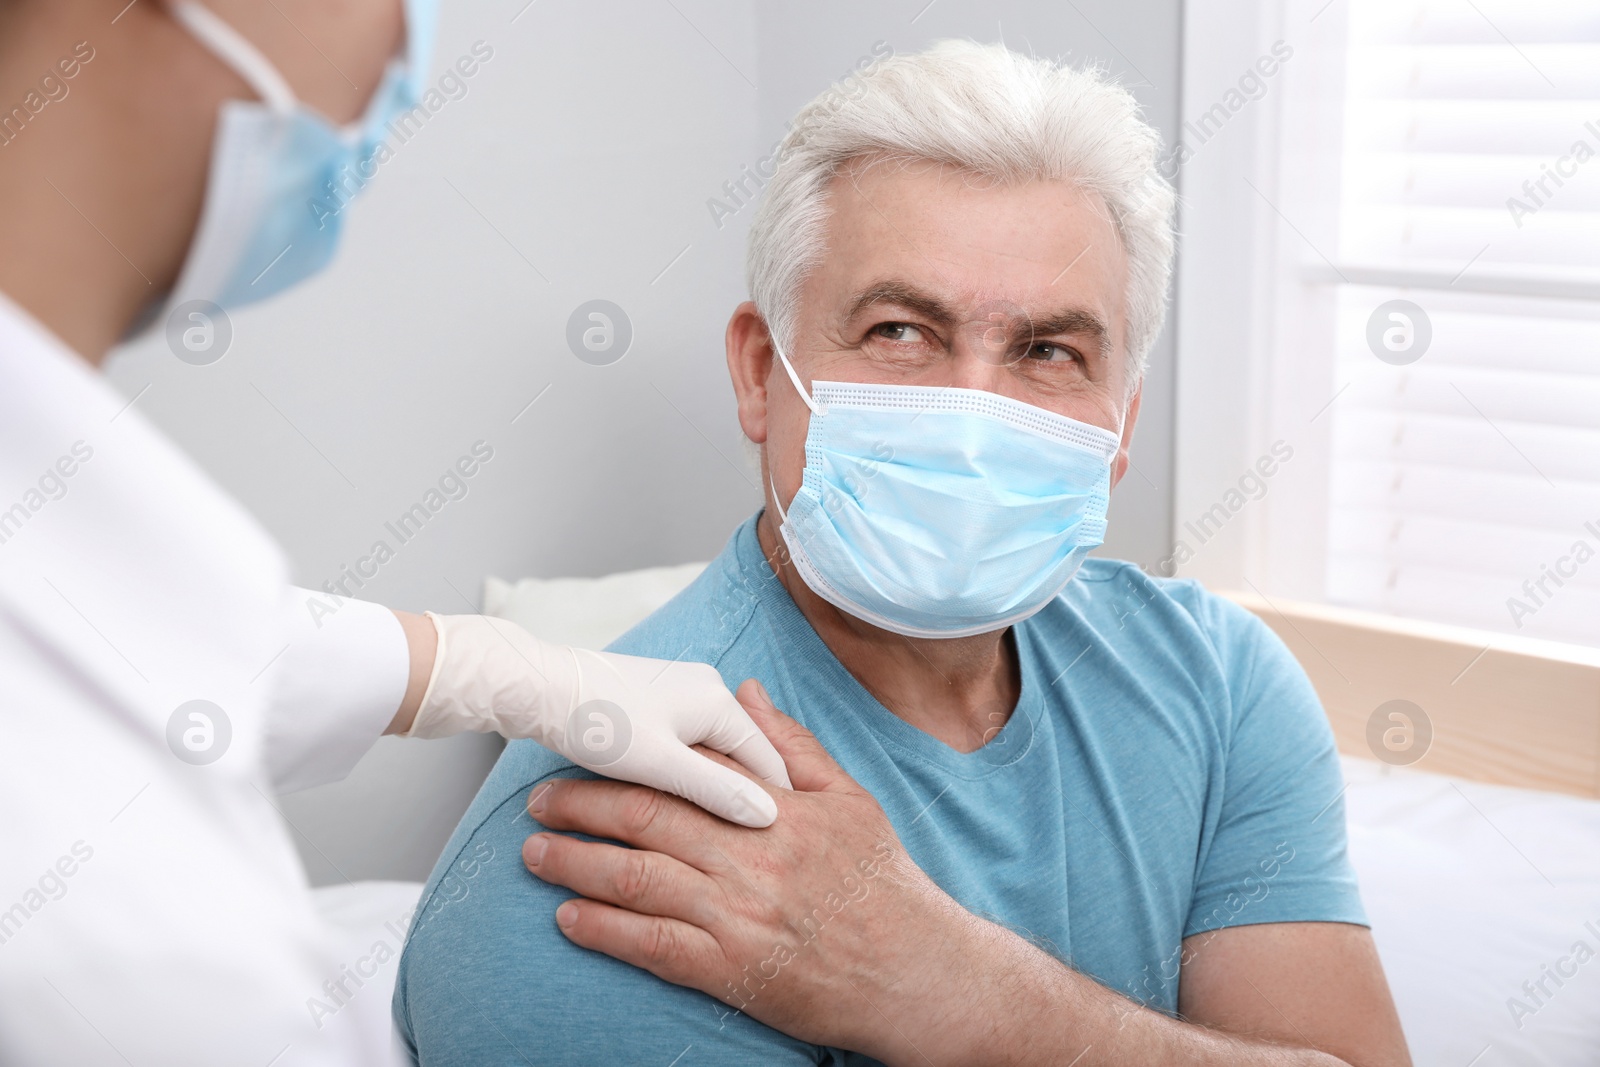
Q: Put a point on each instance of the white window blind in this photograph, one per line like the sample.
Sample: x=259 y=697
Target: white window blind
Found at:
x=1465 y=486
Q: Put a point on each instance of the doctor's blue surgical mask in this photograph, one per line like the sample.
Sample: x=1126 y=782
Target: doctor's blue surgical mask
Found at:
x=943 y=512
x=275 y=159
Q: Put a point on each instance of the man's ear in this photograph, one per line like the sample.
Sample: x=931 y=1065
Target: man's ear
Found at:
x=750 y=367
x=1119 y=466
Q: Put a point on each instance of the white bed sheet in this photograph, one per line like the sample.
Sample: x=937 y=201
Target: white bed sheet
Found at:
x=369 y=921
x=1472 y=890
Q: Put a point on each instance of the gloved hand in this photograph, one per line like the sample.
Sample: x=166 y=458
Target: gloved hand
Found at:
x=621 y=716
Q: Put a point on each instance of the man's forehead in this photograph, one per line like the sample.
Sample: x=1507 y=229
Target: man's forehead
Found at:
x=1012 y=217
x=1042 y=246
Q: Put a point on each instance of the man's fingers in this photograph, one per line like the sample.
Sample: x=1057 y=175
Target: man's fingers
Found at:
x=636 y=815
x=677 y=952
x=734 y=733
x=810 y=767
x=644 y=882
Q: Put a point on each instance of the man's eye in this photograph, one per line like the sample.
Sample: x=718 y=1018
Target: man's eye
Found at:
x=903 y=332
x=1046 y=352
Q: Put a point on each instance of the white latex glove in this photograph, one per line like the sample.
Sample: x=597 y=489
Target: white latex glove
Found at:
x=621 y=716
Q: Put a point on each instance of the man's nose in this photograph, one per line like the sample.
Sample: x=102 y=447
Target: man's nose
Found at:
x=987 y=347
x=970 y=371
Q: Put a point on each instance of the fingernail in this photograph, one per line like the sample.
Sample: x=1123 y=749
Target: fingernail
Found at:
x=761 y=690
x=536 y=802
x=566 y=915
x=533 y=854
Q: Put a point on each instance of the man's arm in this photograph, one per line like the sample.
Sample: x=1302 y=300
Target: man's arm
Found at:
x=903 y=973
x=1272 y=995
x=1316 y=984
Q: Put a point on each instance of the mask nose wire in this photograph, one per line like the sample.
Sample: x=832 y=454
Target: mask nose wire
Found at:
x=816 y=409
x=237 y=53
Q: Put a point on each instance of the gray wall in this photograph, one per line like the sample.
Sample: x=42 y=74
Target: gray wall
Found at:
x=577 y=166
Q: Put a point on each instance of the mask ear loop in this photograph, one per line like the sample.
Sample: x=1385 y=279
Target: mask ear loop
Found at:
x=783 y=516
x=237 y=53
x=816 y=409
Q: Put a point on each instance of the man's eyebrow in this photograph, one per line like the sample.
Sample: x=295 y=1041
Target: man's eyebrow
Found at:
x=1075 y=321
x=906 y=296
x=1069 y=321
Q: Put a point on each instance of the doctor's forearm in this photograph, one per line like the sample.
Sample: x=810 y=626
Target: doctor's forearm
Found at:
x=422 y=640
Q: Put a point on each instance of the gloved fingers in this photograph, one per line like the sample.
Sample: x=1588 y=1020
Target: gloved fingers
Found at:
x=810 y=766
x=757 y=754
x=659 y=759
x=722 y=791
x=733 y=732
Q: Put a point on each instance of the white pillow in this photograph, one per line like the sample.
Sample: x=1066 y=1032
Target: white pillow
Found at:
x=587 y=612
x=1472 y=890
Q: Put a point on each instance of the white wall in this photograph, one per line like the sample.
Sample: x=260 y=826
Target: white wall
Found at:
x=578 y=166
x=1222 y=293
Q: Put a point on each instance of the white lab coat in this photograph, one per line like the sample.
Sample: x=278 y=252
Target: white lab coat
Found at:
x=153 y=911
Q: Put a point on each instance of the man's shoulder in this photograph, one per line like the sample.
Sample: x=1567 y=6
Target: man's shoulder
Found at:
x=701 y=622
x=1113 y=595
x=710 y=621
x=1174 y=636
x=486 y=976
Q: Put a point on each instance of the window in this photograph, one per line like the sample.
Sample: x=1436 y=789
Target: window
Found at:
x=1428 y=188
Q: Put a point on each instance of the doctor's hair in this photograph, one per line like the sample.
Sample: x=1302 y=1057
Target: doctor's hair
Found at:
x=989 y=111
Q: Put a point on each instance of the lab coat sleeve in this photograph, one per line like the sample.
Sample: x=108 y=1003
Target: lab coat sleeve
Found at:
x=334 y=688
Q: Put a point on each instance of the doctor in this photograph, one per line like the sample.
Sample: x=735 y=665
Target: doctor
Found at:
x=160 y=679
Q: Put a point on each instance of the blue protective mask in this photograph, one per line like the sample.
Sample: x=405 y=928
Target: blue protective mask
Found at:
x=943 y=512
x=271 y=218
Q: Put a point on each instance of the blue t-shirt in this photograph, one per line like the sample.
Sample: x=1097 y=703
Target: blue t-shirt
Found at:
x=1167 y=771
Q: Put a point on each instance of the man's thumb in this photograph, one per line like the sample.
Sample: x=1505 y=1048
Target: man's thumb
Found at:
x=811 y=769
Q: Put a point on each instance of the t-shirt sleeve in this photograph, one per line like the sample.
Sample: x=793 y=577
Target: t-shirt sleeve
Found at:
x=1276 y=850
x=488 y=979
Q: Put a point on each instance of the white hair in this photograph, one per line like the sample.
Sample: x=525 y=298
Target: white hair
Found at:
x=988 y=111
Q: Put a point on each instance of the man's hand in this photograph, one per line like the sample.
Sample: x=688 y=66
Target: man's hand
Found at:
x=823 y=904
x=822 y=927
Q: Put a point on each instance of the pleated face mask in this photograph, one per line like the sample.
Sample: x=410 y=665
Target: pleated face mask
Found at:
x=943 y=512
x=280 y=171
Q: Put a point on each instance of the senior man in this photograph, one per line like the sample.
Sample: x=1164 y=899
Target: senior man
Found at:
x=1078 y=814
